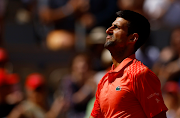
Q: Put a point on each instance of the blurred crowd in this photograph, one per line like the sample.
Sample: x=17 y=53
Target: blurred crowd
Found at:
x=79 y=26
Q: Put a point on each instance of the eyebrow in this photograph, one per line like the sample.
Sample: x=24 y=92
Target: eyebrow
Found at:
x=117 y=25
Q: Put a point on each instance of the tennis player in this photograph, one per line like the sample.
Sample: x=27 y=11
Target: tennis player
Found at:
x=129 y=89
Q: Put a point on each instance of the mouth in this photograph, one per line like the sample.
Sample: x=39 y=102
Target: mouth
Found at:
x=108 y=37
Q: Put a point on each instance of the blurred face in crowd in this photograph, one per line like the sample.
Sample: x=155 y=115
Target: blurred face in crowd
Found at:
x=117 y=38
x=80 y=64
x=38 y=95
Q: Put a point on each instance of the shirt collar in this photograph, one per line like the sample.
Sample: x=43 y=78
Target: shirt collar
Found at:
x=123 y=63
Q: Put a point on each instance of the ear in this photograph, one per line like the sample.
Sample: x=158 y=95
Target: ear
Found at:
x=134 y=37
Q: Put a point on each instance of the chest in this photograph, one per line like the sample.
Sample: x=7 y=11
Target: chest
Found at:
x=117 y=95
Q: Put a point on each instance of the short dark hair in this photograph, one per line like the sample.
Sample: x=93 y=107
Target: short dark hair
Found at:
x=137 y=23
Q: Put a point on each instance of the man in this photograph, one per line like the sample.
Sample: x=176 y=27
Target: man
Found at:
x=10 y=92
x=35 y=104
x=129 y=89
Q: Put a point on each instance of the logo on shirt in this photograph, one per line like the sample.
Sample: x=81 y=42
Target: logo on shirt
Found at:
x=157 y=100
x=118 y=88
x=152 y=95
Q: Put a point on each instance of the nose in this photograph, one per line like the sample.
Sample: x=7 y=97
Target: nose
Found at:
x=109 y=31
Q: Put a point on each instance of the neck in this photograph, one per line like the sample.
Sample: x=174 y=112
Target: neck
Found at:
x=120 y=53
x=117 y=59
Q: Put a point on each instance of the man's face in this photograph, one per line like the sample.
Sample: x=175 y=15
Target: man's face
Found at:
x=117 y=35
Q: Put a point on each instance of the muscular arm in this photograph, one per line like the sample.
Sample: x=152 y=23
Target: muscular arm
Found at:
x=161 y=115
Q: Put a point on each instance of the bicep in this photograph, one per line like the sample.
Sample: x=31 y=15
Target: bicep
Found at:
x=161 y=115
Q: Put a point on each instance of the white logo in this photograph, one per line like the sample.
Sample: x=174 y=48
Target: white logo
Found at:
x=157 y=100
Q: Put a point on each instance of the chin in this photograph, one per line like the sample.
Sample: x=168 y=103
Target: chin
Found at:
x=109 y=44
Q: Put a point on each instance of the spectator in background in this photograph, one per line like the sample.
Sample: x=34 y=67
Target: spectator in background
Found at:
x=171 y=18
x=156 y=9
x=78 y=17
x=166 y=55
x=171 y=98
x=163 y=13
x=61 y=13
x=35 y=104
x=10 y=92
x=167 y=67
x=77 y=88
x=90 y=12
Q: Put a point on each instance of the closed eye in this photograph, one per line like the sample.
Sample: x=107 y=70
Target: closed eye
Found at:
x=115 y=26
